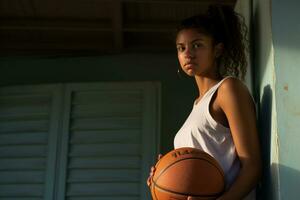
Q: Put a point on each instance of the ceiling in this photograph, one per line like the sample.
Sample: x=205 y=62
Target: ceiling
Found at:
x=30 y=27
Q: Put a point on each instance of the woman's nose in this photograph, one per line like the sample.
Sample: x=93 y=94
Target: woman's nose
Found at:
x=188 y=53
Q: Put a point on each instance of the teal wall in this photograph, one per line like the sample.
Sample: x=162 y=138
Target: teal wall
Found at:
x=177 y=94
x=264 y=87
x=286 y=40
x=276 y=59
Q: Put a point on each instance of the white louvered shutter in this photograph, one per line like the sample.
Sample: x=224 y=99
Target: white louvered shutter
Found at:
x=109 y=141
x=28 y=135
x=78 y=141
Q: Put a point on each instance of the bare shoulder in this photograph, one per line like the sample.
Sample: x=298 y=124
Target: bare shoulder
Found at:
x=233 y=84
x=235 y=91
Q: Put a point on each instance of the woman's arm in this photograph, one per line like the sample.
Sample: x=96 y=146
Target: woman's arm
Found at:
x=238 y=106
x=234 y=99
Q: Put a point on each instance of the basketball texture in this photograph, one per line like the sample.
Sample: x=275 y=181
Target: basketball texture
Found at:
x=187 y=172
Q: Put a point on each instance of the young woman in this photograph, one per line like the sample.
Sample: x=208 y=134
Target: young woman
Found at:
x=211 y=48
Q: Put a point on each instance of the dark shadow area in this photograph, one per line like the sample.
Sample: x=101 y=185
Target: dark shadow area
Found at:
x=264 y=126
x=262 y=43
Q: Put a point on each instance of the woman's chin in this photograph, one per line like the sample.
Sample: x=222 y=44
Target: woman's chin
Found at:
x=190 y=72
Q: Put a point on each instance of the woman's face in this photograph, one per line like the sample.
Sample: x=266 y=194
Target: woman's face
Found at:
x=196 y=53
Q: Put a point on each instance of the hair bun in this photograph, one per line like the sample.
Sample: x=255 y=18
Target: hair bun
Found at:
x=223 y=16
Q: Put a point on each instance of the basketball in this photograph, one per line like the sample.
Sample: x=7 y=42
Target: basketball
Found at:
x=187 y=172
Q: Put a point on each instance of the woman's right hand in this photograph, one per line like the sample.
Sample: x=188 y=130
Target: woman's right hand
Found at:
x=152 y=170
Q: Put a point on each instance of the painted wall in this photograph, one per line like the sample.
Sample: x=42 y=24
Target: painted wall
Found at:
x=277 y=49
x=286 y=41
x=177 y=94
x=264 y=87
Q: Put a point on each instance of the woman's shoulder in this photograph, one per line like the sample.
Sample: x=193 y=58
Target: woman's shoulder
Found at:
x=234 y=88
x=232 y=84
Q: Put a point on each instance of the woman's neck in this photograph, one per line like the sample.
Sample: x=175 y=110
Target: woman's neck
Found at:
x=204 y=83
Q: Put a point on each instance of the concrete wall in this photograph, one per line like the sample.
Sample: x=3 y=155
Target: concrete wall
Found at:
x=286 y=41
x=265 y=80
x=277 y=49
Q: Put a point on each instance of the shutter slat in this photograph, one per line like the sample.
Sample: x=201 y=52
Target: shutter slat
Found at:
x=106 y=123
x=109 y=136
x=24 y=99
x=104 y=149
x=103 y=189
x=23 y=151
x=22 y=177
x=117 y=162
x=103 y=175
x=24 y=110
x=24 y=125
x=23 y=116
x=24 y=138
x=22 y=190
x=99 y=110
x=22 y=163
x=106 y=96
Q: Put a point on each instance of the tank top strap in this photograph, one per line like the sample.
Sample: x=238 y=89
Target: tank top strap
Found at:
x=215 y=87
x=205 y=108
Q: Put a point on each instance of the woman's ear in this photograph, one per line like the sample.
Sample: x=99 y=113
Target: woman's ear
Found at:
x=219 y=48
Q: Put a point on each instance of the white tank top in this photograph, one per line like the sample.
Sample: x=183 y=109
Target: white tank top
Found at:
x=201 y=131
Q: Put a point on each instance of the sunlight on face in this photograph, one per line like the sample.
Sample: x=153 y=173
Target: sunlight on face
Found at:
x=195 y=52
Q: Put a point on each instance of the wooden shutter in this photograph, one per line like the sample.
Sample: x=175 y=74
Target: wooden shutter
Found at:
x=78 y=141
x=109 y=141
x=28 y=137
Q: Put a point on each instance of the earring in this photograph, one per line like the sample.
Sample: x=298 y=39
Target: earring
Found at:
x=179 y=74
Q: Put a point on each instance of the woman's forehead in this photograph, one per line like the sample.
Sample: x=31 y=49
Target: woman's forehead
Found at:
x=189 y=35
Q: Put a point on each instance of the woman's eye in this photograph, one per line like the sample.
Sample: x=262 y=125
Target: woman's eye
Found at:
x=197 y=45
x=180 y=48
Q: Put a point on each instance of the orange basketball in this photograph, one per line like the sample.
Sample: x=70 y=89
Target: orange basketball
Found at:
x=187 y=172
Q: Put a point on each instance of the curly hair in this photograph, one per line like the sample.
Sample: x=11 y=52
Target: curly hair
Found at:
x=225 y=26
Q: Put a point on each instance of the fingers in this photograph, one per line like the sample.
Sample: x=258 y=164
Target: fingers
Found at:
x=149 y=181
x=151 y=175
x=159 y=156
x=152 y=170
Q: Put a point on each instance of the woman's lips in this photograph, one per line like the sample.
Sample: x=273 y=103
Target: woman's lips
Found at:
x=189 y=65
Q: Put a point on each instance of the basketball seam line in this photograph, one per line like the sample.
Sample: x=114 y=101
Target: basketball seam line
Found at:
x=154 y=181
x=180 y=193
